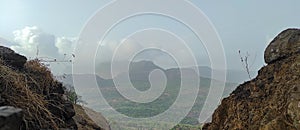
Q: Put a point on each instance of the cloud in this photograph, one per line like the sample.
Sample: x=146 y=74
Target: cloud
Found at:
x=122 y=51
x=34 y=42
x=31 y=41
x=65 y=45
x=25 y=40
x=130 y=47
x=124 y=48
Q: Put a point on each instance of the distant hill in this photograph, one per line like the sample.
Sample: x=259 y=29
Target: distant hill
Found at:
x=139 y=77
x=234 y=76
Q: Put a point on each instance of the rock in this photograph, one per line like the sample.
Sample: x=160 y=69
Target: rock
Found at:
x=85 y=122
x=98 y=118
x=55 y=110
x=71 y=124
x=10 y=118
x=69 y=111
x=65 y=109
x=271 y=100
x=36 y=92
x=2 y=101
x=11 y=58
x=284 y=45
x=59 y=88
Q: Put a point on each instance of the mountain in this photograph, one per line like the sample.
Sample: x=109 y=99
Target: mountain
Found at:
x=104 y=70
x=271 y=101
x=140 y=73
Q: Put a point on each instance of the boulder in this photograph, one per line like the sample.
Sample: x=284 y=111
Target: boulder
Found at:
x=284 y=45
x=35 y=91
x=272 y=99
x=10 y=118
x=9 y=57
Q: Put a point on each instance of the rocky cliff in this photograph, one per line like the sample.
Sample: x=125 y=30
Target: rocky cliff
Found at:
x=38 y=100
x=271 y=101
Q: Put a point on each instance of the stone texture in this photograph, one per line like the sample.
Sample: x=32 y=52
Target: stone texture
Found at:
x=284 y=45
x=98 y=118
x=11 y=58
x=10 y=118
x=85 y=122
x=271 y=101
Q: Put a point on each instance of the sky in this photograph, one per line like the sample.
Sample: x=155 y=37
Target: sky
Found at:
x=53 y=26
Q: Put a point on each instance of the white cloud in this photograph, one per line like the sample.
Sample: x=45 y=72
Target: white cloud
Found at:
x=131 y=47
x=65 y=45
x=26 y=40
x=29 y=40
x=34 y=42
x=122 y=51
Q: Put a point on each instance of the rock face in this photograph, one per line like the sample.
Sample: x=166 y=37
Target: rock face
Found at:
x=271 y=101
x=31 y=87
x=98 y=118
x=11 y=58
x=84 y=121
x=40 y=101
x=10 y=118
x=287 y=43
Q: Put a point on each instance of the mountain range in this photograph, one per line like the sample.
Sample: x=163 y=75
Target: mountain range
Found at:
x=104 y=70
x=140 y=74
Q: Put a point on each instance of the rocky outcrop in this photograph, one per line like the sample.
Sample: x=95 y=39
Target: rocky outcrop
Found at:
x=271 y=101
x=10 y=118
x=287 y=43
x=40 y=101
x=9 y=57
x=31 y=87
x=98 y=118
x=84 y=121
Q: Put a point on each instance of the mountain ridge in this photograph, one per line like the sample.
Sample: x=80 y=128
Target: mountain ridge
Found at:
x=234 y=76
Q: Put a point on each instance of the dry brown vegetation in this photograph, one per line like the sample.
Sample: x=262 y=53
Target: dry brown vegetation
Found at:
x=28 y=89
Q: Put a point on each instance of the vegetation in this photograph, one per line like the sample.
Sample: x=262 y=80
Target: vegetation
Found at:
x=25 y=90
x=245 y=62
x=72 y=96
x=158 y=106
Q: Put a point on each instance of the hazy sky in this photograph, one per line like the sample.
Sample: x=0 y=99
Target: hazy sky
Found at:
x=242 y=25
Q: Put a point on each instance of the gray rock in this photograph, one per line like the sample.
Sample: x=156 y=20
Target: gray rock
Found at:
x=10 y=118
x=284 y=45
x=11 y=58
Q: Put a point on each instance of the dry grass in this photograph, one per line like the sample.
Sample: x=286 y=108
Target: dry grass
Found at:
x=41 y=76
x=24 y=90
